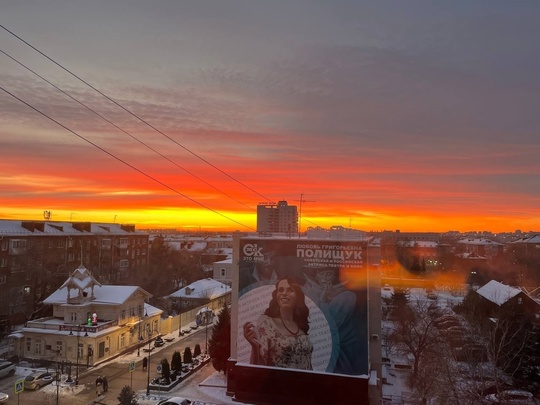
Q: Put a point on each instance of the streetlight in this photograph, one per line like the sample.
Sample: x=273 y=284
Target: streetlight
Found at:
x=180 y=324
x=57 y=378
x=148 y=368
x=207 y=316
x=78 y=354
x=78 y=350
x=206 y=337
x=139 y=338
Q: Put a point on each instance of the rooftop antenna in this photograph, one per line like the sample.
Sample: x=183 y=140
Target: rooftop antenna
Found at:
x=114 y=221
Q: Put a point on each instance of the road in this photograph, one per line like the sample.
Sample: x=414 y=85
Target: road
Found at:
x=118 y=376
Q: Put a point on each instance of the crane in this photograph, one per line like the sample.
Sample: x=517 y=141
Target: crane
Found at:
x=300 y=212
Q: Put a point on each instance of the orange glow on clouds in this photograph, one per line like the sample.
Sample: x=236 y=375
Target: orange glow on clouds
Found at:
x=374 y=136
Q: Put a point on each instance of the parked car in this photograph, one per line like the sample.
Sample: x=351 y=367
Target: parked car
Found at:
x=446 y=318
x=37 y=380
x=159 y=342
x=7 y=369
x=511 y=397
x=447 y=324
x=174 y=401
x=3 y=397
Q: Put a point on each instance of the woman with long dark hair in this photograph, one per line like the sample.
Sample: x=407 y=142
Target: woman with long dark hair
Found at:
x=280 y=338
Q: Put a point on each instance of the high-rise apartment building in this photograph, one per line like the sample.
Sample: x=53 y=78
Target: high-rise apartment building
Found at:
x=280 y=217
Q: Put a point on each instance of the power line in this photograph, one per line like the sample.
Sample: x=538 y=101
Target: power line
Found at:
x=135 y=115
x=124 y=131
x=122 y=161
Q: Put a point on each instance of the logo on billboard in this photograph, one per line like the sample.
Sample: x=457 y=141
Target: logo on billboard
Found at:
x=252 y=251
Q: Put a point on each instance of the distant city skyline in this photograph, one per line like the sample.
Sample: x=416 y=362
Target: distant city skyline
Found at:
x=385 y=116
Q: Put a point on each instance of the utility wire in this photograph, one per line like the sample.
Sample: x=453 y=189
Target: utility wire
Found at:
x=124 y=131
x=123 y=161
x=135 y=115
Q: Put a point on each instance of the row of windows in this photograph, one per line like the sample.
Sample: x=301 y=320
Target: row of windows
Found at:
x=61 y=243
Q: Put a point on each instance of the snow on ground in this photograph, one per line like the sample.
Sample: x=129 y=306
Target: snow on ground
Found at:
x=214 y=386
x=394 y=387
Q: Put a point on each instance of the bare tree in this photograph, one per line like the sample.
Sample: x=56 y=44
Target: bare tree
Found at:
x=414 y=333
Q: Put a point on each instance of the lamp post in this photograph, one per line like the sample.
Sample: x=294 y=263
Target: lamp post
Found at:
x=139 y=338
x=77 y=369
x=57 y=378
x=206 y=337
x=207 y=316
x=180 y=324
x=148 y=368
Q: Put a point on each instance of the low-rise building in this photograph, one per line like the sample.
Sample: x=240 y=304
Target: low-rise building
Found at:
x=91 y=323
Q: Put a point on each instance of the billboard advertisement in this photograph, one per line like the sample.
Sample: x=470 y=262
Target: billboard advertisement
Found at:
x=303 y=305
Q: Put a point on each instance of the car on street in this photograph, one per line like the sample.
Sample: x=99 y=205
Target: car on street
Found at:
x=3 y=397
x=174 y=401
x=37 y=380
x=7 y=369
x=159 y=342
x=511 y=397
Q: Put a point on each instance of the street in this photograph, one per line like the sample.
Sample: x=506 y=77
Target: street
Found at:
x=118 y=375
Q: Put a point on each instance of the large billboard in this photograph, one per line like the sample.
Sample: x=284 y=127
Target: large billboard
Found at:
x=303 y=304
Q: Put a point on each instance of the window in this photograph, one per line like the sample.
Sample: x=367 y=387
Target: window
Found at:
x=18 y=243
x=70 y=257
x=123 y=314
x=122 y=340
x=80 y=350
x=4 y=245
x=73 y=317
x=222 y=272
x=28 y=344
x=59 y=347
x=124 y=263
x=3 y=279
x=3 y=262
x=131 y=311
x=106 y=243
x=37 y=346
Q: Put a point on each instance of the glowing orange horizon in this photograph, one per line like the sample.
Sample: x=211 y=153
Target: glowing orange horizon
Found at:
x=200 y=219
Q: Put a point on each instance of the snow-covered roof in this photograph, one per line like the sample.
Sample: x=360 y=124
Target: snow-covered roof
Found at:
x=103 y=294
x=205 y=288
x=219 y=251
x=81 y=279
x=228 y=260
x=478 y=241
x=18 y=227
x=472 y=256
x=498 y=293
x=196 y=247
x=535 y=239
x=418 y=243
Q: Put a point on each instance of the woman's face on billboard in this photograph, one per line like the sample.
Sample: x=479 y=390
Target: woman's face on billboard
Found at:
x=286 y=295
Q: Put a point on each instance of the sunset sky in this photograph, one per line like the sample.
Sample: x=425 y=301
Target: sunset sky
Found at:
x=410 y=115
